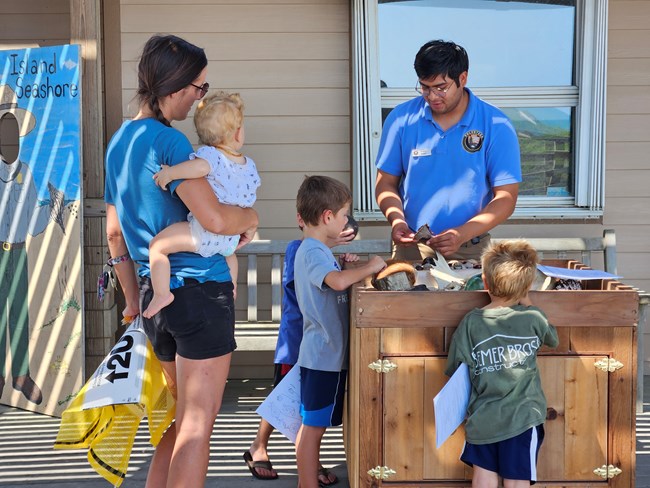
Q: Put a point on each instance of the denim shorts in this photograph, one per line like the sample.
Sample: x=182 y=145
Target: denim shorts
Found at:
x=198 y=324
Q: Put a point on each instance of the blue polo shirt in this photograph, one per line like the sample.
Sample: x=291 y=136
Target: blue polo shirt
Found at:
x=448 y=176
x=134 y=154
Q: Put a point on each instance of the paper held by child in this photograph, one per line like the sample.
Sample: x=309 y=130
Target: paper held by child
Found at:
x=450 y=404
x=281 y=408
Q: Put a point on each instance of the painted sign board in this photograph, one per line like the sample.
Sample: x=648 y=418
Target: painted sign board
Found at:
x=41 y=254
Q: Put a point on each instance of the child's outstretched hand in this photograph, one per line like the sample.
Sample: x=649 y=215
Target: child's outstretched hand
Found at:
x=376 y=264
x=163 y=177
x=348 y=257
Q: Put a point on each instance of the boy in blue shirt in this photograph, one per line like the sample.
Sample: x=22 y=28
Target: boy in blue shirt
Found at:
x=499 y=344
x=286 y=356
x=321 y=290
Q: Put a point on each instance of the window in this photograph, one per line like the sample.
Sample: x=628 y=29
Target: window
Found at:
x=542 y=62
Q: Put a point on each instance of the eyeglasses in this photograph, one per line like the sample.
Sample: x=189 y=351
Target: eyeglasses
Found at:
x=203 y=88
x=425 y=90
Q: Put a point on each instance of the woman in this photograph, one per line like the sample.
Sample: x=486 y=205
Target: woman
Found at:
x=193 y=337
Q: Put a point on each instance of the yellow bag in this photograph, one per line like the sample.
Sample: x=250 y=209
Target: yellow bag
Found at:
x=105 y=415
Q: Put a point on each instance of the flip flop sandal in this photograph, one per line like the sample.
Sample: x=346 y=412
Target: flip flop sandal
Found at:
x=254 y=465
x=325 y=472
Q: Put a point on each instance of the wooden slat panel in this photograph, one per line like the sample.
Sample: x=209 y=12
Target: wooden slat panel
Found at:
x=369 y=398
x=389 y=309
x=585 y=428
x=404 y=405
x=553 y=452
x=255 y=46
x=236 y=18
x=622 y=438
x=412 y=341
x=443 y=463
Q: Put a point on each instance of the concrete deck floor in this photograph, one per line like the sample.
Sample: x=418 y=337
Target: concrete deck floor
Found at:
x=27 y=459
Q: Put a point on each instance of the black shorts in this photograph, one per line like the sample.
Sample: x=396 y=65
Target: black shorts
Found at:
x=198 y=324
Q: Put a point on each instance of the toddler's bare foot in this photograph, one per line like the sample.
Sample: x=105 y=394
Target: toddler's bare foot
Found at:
x=157 y=304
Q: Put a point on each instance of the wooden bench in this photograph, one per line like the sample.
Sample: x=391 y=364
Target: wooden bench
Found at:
x=260 y=282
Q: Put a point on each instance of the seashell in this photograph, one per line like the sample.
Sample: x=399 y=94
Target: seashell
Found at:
x=423 y=234
x=397 y=276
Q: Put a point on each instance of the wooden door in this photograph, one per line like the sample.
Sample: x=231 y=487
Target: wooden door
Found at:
x=576 y=420
x=576 y=426
x=409 y=432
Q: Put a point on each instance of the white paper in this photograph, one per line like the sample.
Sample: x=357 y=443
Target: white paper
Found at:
x=450 y=404
x=281 y=408
x=576 y=274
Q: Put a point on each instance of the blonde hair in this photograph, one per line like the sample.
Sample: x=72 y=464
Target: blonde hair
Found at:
x=217 y=117
x=509 y=268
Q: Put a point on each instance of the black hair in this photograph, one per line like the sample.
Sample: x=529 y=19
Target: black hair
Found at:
x=441 y=58
x=168 y=64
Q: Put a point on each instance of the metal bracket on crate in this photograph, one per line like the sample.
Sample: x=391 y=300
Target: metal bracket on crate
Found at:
x=382 y=366
x=610 y=365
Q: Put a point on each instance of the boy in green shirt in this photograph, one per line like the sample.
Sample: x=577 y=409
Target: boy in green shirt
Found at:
x=499 y=344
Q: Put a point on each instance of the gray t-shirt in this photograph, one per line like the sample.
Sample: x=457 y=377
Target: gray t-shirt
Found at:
x=325 y=312
x=499 y=345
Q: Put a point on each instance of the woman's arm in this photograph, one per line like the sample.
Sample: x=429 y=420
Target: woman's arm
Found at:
x=216 y=217
x=125 y=270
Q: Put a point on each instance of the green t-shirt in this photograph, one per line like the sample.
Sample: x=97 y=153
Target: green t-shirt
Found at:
x=499 y=345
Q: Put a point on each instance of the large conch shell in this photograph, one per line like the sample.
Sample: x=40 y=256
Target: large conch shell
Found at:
x=397 y=276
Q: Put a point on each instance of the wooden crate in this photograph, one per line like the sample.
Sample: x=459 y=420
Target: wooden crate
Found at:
x=389 y=424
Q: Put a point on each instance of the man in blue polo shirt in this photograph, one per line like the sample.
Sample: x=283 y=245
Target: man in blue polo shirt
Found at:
x=446 y=159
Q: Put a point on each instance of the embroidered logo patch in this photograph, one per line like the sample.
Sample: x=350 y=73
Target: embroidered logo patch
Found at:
x=473 y=141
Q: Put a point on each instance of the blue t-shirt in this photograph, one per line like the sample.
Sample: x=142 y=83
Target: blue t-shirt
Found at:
x=448 y=176
x=325 y=312
x=290 y=333
x=134 y=154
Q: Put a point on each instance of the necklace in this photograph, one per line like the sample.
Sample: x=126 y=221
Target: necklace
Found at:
x=229 y=151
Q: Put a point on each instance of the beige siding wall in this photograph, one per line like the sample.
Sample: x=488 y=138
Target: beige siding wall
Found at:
x=628 y=142
x=34 y=23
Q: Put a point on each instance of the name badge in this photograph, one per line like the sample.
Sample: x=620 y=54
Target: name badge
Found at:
x=417 y=153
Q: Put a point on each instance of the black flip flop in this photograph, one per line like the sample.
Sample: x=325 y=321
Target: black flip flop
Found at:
x=253 y=465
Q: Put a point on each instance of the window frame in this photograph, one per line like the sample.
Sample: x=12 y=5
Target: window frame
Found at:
x=587 y=97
